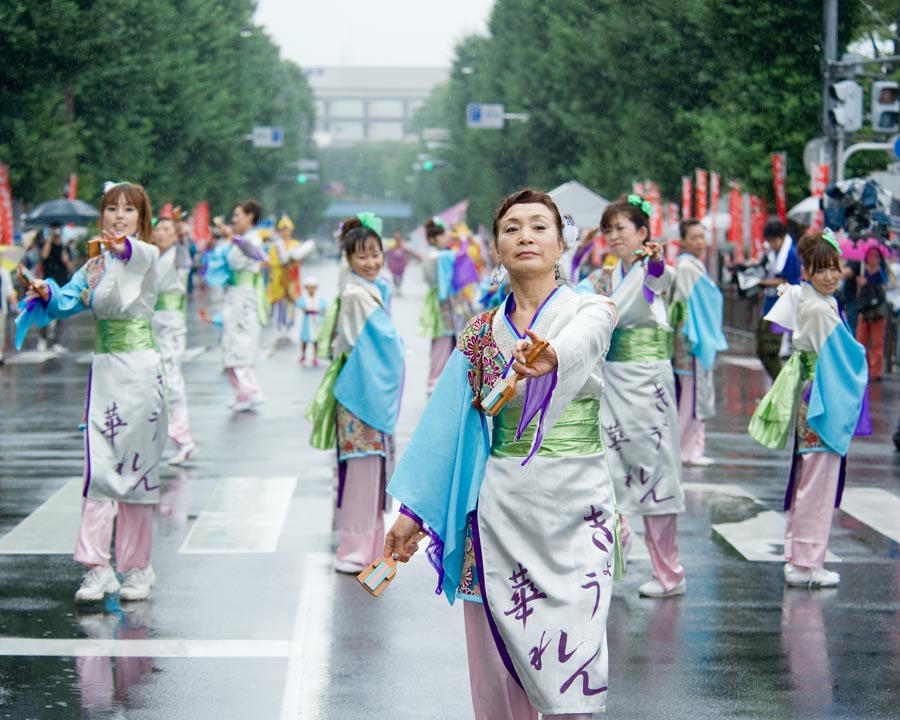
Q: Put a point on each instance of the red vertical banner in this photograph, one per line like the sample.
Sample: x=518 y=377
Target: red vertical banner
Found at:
x=686 y=197
x=202 y=235
x=736 y=211
x=72 y=194
x=6 y=208
x=656 y=219
x=638 y=188
x=779 y=176
x=714 y=191
x=758 y=212
x=702 y=196
x=166 y=211
x=673 y=246
x=818 y=185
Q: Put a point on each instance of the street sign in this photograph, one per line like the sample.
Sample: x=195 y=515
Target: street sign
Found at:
x=266 y=137
x=485 y=116
x=895 y=146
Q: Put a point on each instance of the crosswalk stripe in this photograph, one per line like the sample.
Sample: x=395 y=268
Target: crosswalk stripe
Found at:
x=51 y=529
x=875 y=508
x=53 y=647
x=243 y=515
x=757 y=539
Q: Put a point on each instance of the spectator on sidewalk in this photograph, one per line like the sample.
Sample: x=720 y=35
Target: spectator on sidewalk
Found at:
x=57 y=265
x=872 y=283
x=8 y=300
x=782 y=265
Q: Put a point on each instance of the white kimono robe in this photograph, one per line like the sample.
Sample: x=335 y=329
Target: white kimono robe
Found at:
x=640 y=413
x=545 y=531
x=241 y=326
x=126 y=396
x=170 y=326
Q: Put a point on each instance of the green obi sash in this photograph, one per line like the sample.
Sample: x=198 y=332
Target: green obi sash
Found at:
x=770 y=424
x=171 y=301
x=575 y=434
x=117 y=336
x=323 y=407
x=641 y=345
x=245 y=278
x=431 y=323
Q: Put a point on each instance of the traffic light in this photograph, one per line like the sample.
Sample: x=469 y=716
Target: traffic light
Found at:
x=304 y=178
x=846 y=105
x=428 y=165
x=885 y=106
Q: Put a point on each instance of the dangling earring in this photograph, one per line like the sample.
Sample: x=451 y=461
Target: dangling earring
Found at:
x=557 y=272
x=495 y=276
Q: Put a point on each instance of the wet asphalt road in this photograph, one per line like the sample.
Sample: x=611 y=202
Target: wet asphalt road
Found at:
x=239 y=627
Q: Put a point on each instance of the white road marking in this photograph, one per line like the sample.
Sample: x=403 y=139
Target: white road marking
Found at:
x=875 y=508
x=306 y=679
x=243 y=515
x=86 y=647
x=51 y=529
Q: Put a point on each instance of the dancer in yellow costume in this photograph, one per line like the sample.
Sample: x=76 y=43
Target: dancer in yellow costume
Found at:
x=284 y=277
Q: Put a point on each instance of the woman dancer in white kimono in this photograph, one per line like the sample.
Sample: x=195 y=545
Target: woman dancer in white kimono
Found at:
x=170 y=329
x=639 y=408
x=126 y=408
x=526 y=533
x=244 y=311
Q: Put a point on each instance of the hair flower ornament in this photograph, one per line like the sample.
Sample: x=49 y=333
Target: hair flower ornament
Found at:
x=570 y=232
x=645 y=205
x=371 y=221
x=829 y=237
x=109 y=185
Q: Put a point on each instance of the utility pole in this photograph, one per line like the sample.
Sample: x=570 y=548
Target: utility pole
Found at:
x=832 y=131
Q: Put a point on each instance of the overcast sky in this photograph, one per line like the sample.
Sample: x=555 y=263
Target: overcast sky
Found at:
x=371 y=32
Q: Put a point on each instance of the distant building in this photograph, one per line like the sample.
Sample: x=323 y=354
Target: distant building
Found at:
x=369 y=104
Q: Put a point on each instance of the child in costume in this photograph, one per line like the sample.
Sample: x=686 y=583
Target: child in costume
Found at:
x=696 y=317
x=823 y=387
x=639 y=406
x=312 y=306
x=357 y=405
x=126 y=398
x=170 y=329
x=283 y=287
x=521 y=520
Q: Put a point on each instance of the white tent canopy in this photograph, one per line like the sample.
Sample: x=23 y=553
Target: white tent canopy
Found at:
x=585 y=206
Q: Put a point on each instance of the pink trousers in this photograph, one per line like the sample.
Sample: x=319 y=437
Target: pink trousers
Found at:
x=809 y=517
x=693 y=431
x=495 y=694
x=179 y=425
x=243 y=381
x=660 y=535
x=441 y=350
x=134 y=534
x=360 y=518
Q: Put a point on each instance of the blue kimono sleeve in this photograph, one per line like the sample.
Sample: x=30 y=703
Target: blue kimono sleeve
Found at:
x=371 y=382
x=217 y=273
x=445 y=266
x=838 y=390
x=439 y=476
x=585 y=287
x=63 y=302
x=703 y=326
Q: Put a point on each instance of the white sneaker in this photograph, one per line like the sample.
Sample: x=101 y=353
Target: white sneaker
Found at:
x=98 y=581
x=57 y=348
x=342 y=566
x=42 y=345
x=241 y=406
x=701 y=461
x=184 y=453
x=138 y=582
x=654 y=589
x=810 y=577
x=257 y=399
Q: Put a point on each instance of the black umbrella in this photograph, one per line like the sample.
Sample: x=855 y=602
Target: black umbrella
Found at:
x=61 y=211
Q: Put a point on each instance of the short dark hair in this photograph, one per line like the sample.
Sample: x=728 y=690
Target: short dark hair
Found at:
x=357 y=238
x=686 y=225
x=622 y=207
x=774 y=228
x=527 y=197
x=251 y=207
